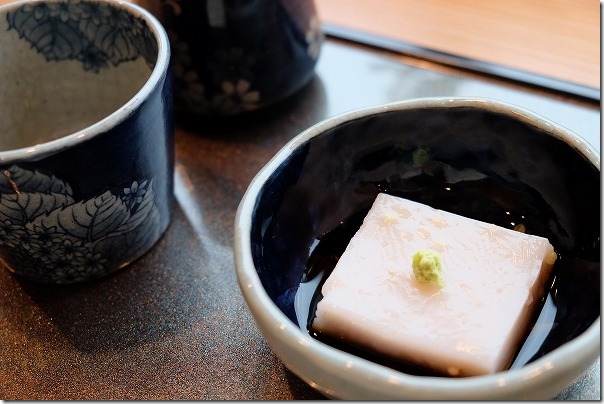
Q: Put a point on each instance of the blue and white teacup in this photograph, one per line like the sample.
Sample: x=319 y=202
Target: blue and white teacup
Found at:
x=86 y=137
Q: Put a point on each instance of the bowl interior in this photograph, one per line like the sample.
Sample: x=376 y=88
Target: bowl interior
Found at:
x=65 y=66
x=483 y=164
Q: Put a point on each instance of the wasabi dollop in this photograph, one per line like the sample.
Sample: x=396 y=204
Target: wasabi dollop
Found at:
x=428 y=268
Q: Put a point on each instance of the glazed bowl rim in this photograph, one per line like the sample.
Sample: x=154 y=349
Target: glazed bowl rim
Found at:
x=119 y=115
x=570 y=357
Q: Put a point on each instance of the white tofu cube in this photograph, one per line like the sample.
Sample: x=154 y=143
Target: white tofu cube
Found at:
x=472 y=325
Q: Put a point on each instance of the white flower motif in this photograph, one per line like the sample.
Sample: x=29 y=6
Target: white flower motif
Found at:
x=193 y=92
x=90 y=12
x=19 y=237
x=41 y=234
x=46 y=253
x=314 y=37
x=40 y=11
x=189 y=88
x=64 y=271
x=70 y=249
x=135 y=193
x=90 y=263
x=61 y=10
x=236 y=97
x=54 y=248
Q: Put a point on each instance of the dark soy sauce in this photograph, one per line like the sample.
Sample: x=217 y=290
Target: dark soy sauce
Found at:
x=544 y=332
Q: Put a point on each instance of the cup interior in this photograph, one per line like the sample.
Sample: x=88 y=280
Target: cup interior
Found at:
x=65 y=65
x=486 y=164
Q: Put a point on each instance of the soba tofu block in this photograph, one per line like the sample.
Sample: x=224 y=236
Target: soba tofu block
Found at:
x=468 y=321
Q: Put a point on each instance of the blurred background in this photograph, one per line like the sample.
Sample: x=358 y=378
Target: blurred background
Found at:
x=554 y=38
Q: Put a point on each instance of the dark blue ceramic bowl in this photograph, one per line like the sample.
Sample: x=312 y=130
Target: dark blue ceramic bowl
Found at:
x=477 y=158
x=86 y=152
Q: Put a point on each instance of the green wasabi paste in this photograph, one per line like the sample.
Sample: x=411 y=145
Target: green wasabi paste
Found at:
x=428 y=267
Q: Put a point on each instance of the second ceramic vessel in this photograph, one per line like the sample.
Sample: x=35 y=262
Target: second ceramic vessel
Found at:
x=236 y=56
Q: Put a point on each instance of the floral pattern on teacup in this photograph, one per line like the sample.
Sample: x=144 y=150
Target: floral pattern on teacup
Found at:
x=95 y=34
x=62 y=240
x=229 y=78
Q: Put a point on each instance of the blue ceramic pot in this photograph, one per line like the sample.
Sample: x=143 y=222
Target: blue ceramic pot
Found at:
x=86 y=179
x=236 y=56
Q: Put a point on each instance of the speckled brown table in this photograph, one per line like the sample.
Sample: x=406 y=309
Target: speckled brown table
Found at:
x=174 y=325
